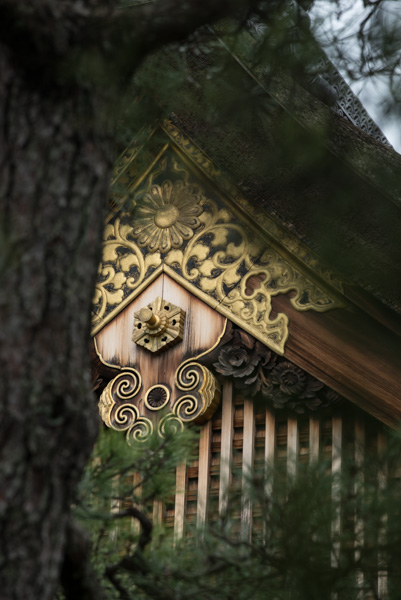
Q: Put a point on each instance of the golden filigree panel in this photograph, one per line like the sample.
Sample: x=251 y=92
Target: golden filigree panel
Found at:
x=179 y=224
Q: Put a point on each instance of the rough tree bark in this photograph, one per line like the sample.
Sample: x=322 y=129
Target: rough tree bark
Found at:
x=55 y=158
x=55 y=170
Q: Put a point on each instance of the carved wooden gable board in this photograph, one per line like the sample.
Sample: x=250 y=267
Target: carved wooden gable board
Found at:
x=181 y=234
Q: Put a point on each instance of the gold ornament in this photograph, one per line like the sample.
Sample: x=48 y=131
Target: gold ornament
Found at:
x=195 y=399
x=216 y=249
x=117 y=408
x=158 y=326
x=167 y=215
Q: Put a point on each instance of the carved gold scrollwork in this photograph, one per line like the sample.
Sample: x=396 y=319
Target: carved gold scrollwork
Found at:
x=118 y=411
x=186 y=230
x=199 y=405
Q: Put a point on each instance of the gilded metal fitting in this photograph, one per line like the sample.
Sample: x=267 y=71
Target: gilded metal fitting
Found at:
x=158 y=326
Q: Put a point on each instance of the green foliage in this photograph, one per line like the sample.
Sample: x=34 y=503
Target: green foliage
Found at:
x=108 y=488
x=108 y=477
x=296 y=552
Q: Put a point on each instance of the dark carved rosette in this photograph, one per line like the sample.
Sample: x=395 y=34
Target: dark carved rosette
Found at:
x=258 y=370
x=245 y=359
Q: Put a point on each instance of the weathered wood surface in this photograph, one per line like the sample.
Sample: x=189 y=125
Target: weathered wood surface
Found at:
x=202 y=329
x=336 y=469
x=382 y=577
x=204 y=474
x=292 y=446
x=179 y=504
x=359 y=485
x=270 y=435
x=227 y=432
x=248 y=450
x=350 y=352
x=314 y=438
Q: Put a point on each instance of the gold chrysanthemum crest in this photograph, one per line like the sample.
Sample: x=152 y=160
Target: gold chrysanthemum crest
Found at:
x=167 y=215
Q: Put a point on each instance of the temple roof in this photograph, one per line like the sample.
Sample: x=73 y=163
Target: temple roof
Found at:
x=323 y=173
x=308 y=207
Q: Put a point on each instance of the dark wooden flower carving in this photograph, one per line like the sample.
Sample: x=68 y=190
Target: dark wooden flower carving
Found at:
x=258 y=370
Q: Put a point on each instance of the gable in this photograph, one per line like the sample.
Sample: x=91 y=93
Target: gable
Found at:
x=178 y=216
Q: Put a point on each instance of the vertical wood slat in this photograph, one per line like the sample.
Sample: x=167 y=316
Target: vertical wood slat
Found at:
x=115 y=506
x=336 y=467
x=270 y=447
x=382 y=576
x=137 y=480
x=247 y=465
x=203 y=473
x=157 y=512
x=314 y=438
x=179 y=505
x=227 y=430
x=270 y=435
x=359 y=490
x=292 y=446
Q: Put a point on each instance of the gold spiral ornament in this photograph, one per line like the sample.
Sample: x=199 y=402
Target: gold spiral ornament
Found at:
x=169 y=425
x=113 y=407
x=126 y=385
x=140 y=430
x=200 y=405
x=188 y=407
x=188 y=375
x=125 y=416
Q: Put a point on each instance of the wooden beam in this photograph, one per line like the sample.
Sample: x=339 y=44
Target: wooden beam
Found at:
x=382 y=577
x=203 y=473
x=247 y=466
x=227 y=430
x=292 y=446
x=351 y=353
x=336 y=468
x=359 y=484
x=158 y=510
x=270 y=435
x=137 y=484
x=270 y=447
x=179 y=504
x=314 y=438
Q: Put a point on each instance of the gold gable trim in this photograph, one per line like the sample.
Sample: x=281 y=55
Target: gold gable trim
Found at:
x=181 y=216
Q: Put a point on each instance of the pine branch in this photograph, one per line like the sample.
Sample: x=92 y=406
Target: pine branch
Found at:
x=134 y=562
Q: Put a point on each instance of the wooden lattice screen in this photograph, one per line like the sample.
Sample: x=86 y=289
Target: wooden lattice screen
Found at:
x=242 y=435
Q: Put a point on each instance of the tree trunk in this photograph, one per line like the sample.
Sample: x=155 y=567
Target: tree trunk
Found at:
x=54 y=175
